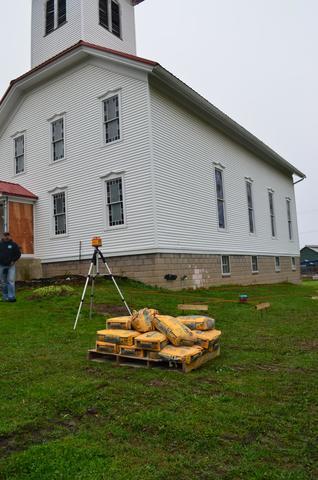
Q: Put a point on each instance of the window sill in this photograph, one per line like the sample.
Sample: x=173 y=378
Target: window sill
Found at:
x=54 y=30
x=115 y=227
x=19 y=174
x=57 y=237
x=115 y=142
x=54 y=162
x=224 y=275
x=277 y=271
x=255 y=273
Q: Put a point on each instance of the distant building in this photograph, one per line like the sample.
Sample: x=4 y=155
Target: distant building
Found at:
x=309 y=255
x=95 y=140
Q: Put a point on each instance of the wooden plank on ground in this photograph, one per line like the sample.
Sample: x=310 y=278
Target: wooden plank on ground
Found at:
x=263 y=306
x=199 y=308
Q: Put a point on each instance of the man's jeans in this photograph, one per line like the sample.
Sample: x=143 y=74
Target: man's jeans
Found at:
x=7 y=282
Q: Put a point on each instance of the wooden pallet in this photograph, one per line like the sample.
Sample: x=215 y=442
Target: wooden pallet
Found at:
x=145 y=362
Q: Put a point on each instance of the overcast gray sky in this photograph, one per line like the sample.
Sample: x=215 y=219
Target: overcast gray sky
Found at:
x=254 y=59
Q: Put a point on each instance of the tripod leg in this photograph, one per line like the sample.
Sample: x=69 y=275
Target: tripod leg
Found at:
x=92 y=298
x=83 y=295
x=114 y=281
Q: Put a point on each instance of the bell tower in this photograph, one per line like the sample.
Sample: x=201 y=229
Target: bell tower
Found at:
x=59 y=24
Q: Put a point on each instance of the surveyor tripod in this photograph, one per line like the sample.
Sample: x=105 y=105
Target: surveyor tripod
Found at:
x=93 y=273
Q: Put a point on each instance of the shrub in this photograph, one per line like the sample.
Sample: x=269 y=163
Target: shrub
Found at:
x=53 y=291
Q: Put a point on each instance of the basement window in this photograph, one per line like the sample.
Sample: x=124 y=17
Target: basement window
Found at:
x=226 y=267
x=293 y=263
x=55 y=15
x=109 y=16
x=115 y=202
x=19 y=155
x=277 y=264
x=254 y=264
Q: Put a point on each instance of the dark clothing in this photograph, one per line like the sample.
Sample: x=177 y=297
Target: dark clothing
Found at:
x=9 y=253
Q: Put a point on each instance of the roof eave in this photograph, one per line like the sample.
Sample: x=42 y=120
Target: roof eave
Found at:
x=223 y=122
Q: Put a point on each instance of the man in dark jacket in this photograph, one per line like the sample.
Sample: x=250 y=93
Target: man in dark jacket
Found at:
x=9 y=254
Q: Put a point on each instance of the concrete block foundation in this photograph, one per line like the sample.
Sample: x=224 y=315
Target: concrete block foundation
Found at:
x=192 y=270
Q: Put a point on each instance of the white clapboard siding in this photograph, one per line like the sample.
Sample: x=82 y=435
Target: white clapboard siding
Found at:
x=185 y=149
x=82 y=24
x=95 y=33
x=44 y=46
x=87 y=160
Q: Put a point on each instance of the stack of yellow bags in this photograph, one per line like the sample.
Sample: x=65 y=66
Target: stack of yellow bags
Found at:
x=147 y=334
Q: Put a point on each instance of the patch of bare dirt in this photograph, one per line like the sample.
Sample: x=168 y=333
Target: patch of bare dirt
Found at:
x=109 y=309
x=39 y=434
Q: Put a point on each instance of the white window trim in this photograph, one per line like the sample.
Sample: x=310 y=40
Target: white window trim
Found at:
x=110 y=23
x=105 y=178
x=288 y=200
x=250 y=181
x=275 y=237
x=51 y=120
x=221 y=168
x=56 y=190
x=255 y=271
x=277 y=269
x=56 y=26
x=102 y=98
x=230 y=272
x=294 y=267
x=17 y=135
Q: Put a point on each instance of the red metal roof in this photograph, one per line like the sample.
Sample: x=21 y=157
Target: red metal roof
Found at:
x=81 y=43
x=15 y=190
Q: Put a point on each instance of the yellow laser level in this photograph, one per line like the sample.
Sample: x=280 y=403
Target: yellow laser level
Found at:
x=97 y=242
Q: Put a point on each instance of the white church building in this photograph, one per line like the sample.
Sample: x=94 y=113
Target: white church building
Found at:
x=95 y=140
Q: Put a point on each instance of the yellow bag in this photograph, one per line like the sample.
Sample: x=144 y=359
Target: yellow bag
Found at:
x=130 y=351
x=198 y=322
x=120 y=337
x=177 y=333
x=152 y=355
x=207 y=339
x=107 y=347
x=181 y=354
x=151 y=341
x=142 y=321
x=121 y=323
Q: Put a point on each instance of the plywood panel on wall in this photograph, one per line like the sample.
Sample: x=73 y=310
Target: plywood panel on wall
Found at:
x=21 y=225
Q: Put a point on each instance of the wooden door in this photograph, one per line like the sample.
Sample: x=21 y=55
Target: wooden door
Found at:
x=21 y=225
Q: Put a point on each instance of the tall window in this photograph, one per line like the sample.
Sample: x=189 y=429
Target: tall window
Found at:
x=50 y=16
x=58 y=147
x=115 y=202
x=59 y=213
x=19 y=154
x=111 y=119
x=289 y=219
x=220 y=197
x=272 y=213
x=226 y=267
x=109 y=16
x=55 y=15
x=103 y=13
x=293 y=262
x=250 y=206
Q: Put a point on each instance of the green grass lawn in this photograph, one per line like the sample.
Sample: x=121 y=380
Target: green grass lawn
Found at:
x=250 y=414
